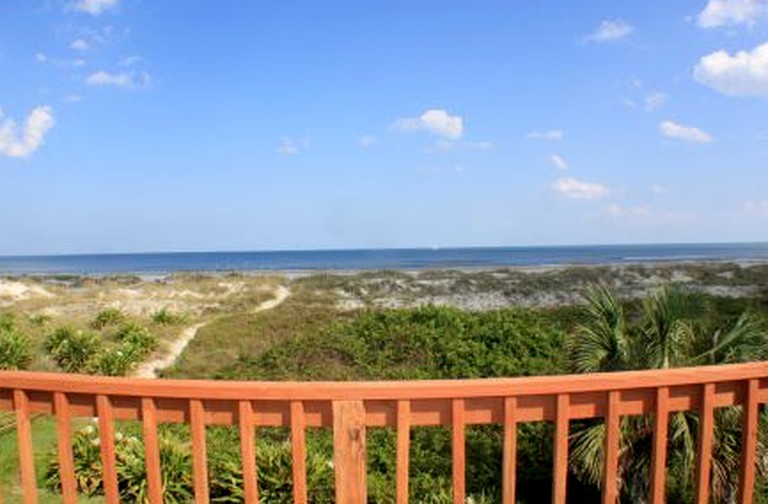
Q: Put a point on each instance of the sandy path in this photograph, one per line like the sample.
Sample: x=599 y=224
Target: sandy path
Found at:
x=149 y=369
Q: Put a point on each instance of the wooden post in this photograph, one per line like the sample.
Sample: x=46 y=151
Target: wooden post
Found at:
x=660 y=428
x=26 y=453
x=349 y=452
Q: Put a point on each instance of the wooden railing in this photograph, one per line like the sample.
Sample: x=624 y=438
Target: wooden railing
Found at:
x=349 y=408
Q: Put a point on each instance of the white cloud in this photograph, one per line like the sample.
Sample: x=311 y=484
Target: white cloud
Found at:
x=558 y=161
x=546 y=135
x=437 y=121
x=366 y=141
x=732 y=12
x=677 y=131
x=37 y=124
x=744 y=73
x=73 y=98
x=290 y=147
x=578 y=189
x=130 y=61
x=94 y=7
x=60 y=63
x=756 y=207
x=654 y=101
x=609 y=31
x=79 y=45
x=658 y=189
x=120 y=79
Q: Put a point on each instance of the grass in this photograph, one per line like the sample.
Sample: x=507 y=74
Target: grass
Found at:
x=229 y=338
x=44 y=439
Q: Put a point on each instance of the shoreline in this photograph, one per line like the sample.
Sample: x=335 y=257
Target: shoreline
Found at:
x=293 y=273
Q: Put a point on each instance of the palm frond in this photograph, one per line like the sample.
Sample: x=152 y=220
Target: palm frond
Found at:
x=746 y=340
x=601 y=344
x=588 y=451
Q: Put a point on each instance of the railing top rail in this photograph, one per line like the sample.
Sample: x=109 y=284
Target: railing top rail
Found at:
x=379 y=390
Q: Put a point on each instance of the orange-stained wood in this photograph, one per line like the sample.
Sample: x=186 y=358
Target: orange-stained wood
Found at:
x=64 y=448
x=557 y=399
x=660 y=427
x=560 y=469
x=26 y=454
x=248 y=452
x=748 y=443
x=704 y=447
x=458 y=451
x=509 y=462
x=1 y=486
x=199 y=456
x=107 y=445
x=382 y=390
x=151 y=450
x=612 y=446
x=299 y=453
x=403 y=449
x=349 y=452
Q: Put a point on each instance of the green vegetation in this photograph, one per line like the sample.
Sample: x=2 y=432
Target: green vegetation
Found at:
x=73 y=350
x=107 y=317
x=443 y=342
x=428 y=342
x=167 y=317
x=670 y=331
x=309 y=338
x=82 y=351
x=15 y=348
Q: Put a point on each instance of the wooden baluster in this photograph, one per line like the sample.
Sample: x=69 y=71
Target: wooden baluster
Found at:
x=1 y=485
x=26 y=453
x=299 y=452
x=612 y=446
x=509 y=463
x=458 y=451
x=349 y=452
x=660 y=427
x=107 y=444
x=560 y=476
x=248 y=452
x=151 y=450
x=403 y=449
x=704 y=448
x=64 y=444
x=199 y=455
x=749 y=442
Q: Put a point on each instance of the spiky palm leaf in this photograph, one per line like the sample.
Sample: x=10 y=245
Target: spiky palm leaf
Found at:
x=600 y=344
x=668 y=335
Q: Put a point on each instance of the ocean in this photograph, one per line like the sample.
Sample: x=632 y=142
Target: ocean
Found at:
x=377 y=259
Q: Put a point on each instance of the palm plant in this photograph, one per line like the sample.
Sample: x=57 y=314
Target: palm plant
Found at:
x=668 y=333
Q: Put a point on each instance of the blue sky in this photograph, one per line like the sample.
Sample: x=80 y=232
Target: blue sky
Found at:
x=138 y=125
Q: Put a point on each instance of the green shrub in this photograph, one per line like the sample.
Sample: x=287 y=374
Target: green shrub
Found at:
x=167 y=317
x=175 y=467
x=15 y=350
x=73 y=350
x=115 y=361
x=137 y=339
x=7 y=321
x=40 y=319
x=107 y=317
